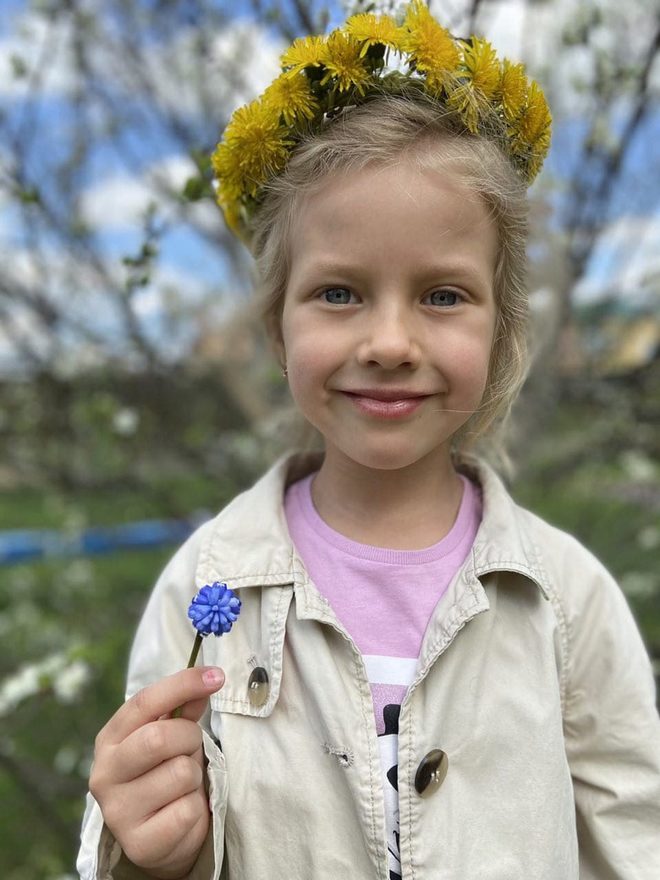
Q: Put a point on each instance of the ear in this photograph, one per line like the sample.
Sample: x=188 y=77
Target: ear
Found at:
x=274 y=333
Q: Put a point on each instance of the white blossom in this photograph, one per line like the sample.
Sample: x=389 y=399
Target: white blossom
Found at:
x=71 y=681
x=126 y=421
x=649 y=538
x=65 y=675
x=637 y=465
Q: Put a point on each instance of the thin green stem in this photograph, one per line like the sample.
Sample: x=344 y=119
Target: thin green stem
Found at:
x=195 y=651
x=191 y=662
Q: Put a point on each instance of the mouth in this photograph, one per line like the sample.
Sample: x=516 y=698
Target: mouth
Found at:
x=390 y=404
x=387 y=395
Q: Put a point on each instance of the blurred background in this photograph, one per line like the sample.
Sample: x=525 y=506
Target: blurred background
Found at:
x=137 y=393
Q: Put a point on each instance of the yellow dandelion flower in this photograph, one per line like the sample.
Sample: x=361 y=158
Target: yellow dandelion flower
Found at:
x=226 y=165
x=259 y=145
x=291 y=97
x=369 y=29
x=513 y=89
x=229 y=199
x=482 y=65
x=230 y=191
x=343 y=63
x=463 y=98
x=233 y=218
x=431 y=47
x=529 y=134
x=536 y=120
x=304 y=52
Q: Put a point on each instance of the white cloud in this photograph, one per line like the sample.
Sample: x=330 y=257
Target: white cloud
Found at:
x=115 y=202
x=168 y=287
x=245 y=41
x=506 y=28
x=37 y=45
x=626 y=259
x=166 y=309
x=243 y=59
x=72 y=289
x=121 y=200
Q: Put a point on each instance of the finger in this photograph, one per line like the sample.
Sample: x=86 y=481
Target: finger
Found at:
x=180 y=825
x=161 y=698
x=162 y=785
x=154 y=743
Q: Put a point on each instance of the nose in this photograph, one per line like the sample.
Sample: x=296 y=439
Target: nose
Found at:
x=389 y=338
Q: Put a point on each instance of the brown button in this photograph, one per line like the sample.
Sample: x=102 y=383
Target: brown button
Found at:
x=431 y=772
x=258 y=686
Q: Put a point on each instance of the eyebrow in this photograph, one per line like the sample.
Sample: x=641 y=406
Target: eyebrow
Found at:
x=424 y=271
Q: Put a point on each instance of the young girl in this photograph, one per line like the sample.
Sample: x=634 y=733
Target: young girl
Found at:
x=425 y=681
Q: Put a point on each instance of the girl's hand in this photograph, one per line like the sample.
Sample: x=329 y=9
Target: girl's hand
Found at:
x=148 y=773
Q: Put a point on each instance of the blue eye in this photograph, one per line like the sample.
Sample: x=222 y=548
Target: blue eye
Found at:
x=338 y=296
x=444 y=298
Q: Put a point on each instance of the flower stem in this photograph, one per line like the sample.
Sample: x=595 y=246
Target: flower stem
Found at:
x=191 y=662
x=195 y=651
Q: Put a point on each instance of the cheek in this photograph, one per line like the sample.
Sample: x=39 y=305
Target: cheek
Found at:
x=309 y=370
x=308 y=346
x=469 y=361
x=475 y=343
x=303 y=361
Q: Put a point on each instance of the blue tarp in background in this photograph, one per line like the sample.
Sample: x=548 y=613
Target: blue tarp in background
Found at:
x=26 y=545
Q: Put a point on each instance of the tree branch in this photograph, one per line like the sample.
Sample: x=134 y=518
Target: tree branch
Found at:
x=589 y=212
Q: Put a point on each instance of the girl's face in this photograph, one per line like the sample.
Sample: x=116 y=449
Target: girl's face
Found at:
x=389 y=313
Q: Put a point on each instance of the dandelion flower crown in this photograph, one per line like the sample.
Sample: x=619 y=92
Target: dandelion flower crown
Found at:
x=322 y=76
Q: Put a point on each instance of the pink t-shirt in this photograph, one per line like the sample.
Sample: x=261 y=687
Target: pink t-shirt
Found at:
x=384 y=599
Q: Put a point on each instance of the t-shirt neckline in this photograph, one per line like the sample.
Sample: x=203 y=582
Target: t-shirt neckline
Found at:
x=302 y=492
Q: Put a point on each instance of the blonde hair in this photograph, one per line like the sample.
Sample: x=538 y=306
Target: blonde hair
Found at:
x=383 y=131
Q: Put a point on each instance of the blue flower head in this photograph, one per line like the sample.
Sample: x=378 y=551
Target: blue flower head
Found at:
x=214 y=609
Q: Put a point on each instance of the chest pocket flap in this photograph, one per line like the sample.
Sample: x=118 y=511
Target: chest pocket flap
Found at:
x=251 y=654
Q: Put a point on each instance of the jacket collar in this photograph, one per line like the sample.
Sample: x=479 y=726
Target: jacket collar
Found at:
x=249 y=543
x=505 y=539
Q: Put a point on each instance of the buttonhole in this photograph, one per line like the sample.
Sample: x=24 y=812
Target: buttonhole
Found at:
x=343 y=755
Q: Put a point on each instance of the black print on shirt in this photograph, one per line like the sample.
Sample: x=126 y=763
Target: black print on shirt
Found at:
x=391 y=714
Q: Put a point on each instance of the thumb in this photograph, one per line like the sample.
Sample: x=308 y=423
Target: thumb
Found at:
x=213 y=678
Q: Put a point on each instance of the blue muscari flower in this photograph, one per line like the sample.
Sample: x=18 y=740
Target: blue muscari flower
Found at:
x=214 y=609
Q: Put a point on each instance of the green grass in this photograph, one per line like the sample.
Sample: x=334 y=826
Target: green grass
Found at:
x=176 y=497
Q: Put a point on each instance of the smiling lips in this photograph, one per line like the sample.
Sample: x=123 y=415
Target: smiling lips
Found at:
x=390 y=403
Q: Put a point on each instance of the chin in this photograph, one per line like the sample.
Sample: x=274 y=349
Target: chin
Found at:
x=392 y=458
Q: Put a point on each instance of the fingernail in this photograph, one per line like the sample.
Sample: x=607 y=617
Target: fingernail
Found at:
x=213 y=677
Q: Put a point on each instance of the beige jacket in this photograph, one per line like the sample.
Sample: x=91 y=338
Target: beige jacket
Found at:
x=532 y=679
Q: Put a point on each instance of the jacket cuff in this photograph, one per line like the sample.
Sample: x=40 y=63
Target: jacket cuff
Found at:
x=203 y=869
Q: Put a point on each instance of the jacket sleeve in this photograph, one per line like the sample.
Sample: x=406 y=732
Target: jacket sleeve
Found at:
x=612 y=729
x=161 y=647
